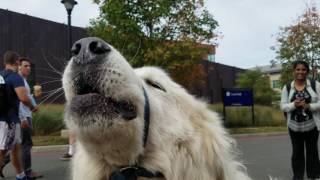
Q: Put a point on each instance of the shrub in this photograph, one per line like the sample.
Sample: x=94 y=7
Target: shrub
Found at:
x=48 y=120
x=241 y=116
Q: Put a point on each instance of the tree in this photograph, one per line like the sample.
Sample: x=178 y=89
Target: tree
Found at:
x=165 y=33
x=299 y=41
x=259 y=83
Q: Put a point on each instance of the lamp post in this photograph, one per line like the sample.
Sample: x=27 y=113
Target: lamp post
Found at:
x=69 y=4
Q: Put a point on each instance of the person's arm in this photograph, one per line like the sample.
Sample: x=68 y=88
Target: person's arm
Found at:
x=23 y=120
x=315 y=106
x=23 y=96
x=285 y=104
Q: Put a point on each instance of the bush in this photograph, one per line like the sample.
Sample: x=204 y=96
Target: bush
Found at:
x=48 y=120
x=241 y=116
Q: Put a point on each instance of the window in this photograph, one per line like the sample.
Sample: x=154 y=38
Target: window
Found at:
x=276 y=84
x=211 y=57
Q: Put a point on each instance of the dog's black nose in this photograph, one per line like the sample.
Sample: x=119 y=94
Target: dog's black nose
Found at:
x=89 y=50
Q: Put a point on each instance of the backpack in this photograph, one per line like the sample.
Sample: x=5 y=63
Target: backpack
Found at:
x=3 y=98
x=288 y=87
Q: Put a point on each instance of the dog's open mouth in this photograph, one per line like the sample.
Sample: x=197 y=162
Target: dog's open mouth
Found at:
x=89 y=101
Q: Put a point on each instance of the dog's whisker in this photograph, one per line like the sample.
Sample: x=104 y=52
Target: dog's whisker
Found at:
x=74 y=76
x=49 y=64
x=137 y=50
x=50 y=70
x=60 y=60
x=49 y=77
x=58 y=96
x=48 y=82
x=53 y=90
x=50 y=95
x=50 y=91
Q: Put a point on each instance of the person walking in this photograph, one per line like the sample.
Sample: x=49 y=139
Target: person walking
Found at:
x=300 y=100
x=71 y=148
x=10 y=131
x=25 y=115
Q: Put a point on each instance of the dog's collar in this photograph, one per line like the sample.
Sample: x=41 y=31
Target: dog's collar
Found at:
x=133 y=172
x=146 y=117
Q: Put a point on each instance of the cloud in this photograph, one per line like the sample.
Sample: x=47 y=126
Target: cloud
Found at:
x=248 y=27
x=53 y=10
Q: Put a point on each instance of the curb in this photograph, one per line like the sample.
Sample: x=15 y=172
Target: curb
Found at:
x=259 y=134
x=50 y=148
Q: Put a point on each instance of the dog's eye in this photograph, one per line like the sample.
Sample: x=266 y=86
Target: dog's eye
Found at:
x=155 y=85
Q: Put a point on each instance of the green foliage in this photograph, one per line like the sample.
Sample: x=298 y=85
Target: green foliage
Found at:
x=165 y=33
x=299 y=41
x=259 y=83
x=241 y=116
x=48 y=120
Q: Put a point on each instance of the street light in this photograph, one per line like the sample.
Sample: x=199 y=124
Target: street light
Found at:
x=69 y=4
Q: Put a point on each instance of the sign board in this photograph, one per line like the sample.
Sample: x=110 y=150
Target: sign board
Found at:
x=237 y=97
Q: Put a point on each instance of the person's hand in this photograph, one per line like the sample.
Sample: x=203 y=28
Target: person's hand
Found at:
x=298 y=102
x=306 y=106
x=24 y=124
x=35 y=109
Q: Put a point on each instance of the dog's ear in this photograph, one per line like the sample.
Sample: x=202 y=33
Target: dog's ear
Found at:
x=155 y=85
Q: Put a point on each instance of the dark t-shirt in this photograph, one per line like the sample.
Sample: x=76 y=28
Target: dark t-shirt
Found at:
x=13 y=80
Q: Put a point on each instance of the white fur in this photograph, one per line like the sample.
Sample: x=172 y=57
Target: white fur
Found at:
x=186 y=140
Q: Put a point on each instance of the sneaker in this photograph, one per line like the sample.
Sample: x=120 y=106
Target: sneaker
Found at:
x=33 y=175
x=66 y=157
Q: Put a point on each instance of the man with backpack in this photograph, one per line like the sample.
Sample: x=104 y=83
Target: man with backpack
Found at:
x=14 y=92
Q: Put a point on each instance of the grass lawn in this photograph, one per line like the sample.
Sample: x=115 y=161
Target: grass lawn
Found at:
x=251 y=130
x=49 y=140
x=58 y=140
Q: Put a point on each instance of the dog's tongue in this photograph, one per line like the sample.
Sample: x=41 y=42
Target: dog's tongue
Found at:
x=94 y=103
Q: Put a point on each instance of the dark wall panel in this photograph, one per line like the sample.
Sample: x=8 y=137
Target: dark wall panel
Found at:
x=43 y=41
x=218 y=76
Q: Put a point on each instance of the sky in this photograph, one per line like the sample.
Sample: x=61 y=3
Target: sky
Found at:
x=248 y=27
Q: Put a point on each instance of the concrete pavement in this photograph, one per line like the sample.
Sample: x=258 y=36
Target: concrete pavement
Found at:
x=263 y=154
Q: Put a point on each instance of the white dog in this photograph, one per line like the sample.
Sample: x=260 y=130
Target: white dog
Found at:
x=139 y=124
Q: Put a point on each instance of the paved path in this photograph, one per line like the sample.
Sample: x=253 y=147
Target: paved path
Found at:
x=263 y=155
x=266 y=156
x=46 y=161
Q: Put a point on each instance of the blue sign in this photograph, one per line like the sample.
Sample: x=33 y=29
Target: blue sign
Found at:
x=237 y=97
